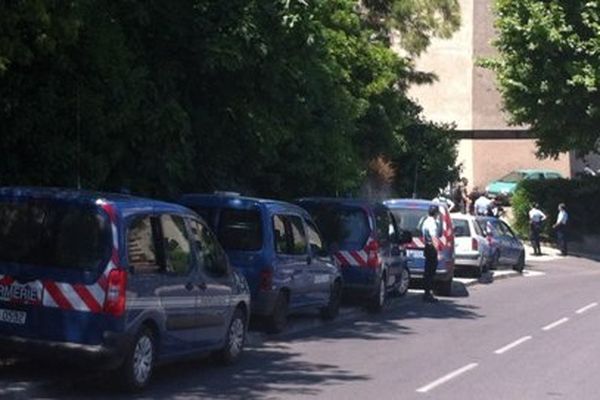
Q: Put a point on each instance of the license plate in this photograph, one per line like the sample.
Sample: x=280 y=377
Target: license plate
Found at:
x=13 y=316
x=414 y=253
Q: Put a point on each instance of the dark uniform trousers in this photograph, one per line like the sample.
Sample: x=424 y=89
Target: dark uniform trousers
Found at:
x=561 y=238
x=431 y=261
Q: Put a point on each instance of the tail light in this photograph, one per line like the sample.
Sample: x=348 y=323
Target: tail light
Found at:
x=266 y=280
x=474 y=244
x=372 y=249
x=114 y=303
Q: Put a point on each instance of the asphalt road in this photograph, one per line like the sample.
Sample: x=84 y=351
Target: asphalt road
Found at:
x=526 y=337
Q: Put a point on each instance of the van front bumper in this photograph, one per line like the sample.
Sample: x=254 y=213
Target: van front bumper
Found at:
x=108 y=355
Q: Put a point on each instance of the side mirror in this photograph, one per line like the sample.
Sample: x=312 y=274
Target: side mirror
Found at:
x=405 y=237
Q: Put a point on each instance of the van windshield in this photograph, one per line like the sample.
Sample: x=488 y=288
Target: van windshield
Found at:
x=53 y=235
x=343 y=228
x=410 y=219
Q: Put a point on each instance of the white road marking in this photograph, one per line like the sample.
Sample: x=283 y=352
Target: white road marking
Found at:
x=512 y=345
x=584 y=309
x=555 y=324
x=446 y=378
x=529 y=273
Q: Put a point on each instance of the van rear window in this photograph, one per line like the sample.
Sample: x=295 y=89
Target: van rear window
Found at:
x=410 y=219
x=53 y=234
x=240 y=230
x=343 y=228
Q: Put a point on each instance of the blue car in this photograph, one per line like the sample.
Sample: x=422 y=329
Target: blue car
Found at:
x=364 y=240
x=279 y=250
x=409 y=215
x=114 y=281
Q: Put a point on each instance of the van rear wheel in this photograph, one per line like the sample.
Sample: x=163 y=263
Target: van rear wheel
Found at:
x=332 y=309
x=404 y=283
x=137 y=368
x=277 y=321
x=235 y=339
x=379 y=298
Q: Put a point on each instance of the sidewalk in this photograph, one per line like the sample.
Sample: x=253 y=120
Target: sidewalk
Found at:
x=551 y=253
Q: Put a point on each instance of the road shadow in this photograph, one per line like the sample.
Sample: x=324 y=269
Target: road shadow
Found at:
x=272 y=367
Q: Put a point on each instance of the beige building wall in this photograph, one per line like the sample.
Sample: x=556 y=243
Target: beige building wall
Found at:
x=449 y=99
x=466 y=96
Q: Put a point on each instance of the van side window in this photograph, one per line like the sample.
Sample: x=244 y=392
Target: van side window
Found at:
x=141 y=248
x=281 y=242
x=314 y=239
x=210 y=254
x=299 y=242
x=289 y=233
x=384 y=225
x=176 y=244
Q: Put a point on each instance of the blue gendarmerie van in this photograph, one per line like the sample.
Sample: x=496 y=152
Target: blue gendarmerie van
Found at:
x=365 y=241
x=279 y=250
x=410 y=215
x=117 y=281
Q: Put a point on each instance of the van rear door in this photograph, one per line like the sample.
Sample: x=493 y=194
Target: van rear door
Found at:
x=53 y=255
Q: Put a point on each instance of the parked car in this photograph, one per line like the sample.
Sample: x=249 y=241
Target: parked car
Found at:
x=410 y=214
x=473 y=250
x=279 y=250
x=505 y=187
x=506 y=248
x=363 y=239
x=116 y=281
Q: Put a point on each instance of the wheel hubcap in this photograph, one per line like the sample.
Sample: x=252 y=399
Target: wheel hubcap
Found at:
x=236 y=337
x=404 y=281
x=142 y=359
x=381 y=292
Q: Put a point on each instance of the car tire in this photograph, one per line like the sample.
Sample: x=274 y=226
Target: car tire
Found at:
x=380 y=296
x=137 y=368
x=520 y=265
x=404 y=284
x=444 y=288
x=332 y=309
x=235 y=338
x=277 y=321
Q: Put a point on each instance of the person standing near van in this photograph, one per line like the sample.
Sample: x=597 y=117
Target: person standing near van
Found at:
x=536 y=217
x=431 y=233
x=483 y=205
x=560 y=226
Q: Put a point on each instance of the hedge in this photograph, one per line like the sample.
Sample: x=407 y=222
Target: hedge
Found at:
x=580 y=195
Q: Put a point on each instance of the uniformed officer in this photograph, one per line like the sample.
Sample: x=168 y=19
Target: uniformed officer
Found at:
x=431 y=233
x=536 y=218
x=560 y=226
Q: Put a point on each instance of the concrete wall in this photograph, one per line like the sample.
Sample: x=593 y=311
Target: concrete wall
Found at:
x=487 y=103
x=450 y=98
x=466 y=95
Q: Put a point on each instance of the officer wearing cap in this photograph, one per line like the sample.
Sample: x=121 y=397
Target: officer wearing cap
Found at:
x=431 y=233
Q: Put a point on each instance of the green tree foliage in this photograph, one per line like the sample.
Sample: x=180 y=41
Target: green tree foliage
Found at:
x=580 y=196
x=548 y=70
x=415 y=22
x=273 y=98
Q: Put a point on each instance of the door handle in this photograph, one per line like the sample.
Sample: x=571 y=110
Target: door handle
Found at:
x=201 y=285
x=189 y=286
